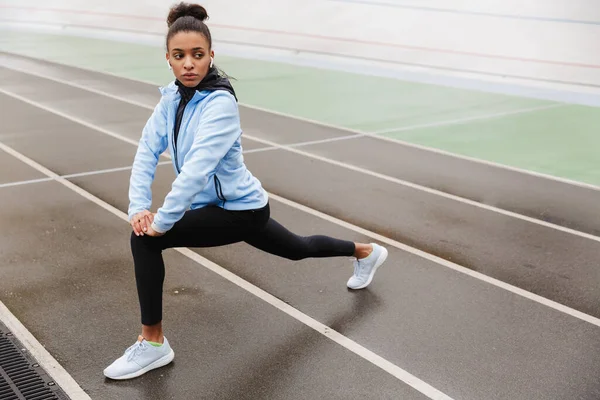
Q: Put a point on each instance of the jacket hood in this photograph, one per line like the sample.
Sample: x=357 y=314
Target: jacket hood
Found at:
x=211 y=82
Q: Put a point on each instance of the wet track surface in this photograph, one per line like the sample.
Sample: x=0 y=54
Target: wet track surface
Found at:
x=465 y=337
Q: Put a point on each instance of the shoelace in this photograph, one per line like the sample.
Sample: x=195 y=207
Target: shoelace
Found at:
x=135 y=350
x=357 y=268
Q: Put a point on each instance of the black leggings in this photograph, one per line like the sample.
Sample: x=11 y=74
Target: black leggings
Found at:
x=213 y=226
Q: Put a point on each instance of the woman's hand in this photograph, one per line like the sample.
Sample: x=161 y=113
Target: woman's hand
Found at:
x=141 y=222
x=150 y=231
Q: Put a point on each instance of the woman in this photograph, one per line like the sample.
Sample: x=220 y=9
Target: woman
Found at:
x=214 y=199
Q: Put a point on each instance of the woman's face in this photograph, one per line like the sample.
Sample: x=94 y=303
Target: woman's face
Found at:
x=189 y=55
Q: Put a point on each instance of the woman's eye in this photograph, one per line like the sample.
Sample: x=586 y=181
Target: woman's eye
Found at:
x=199 y=55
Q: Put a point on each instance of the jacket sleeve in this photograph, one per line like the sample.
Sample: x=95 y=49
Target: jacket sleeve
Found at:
x=217 y=131
x=151 y=145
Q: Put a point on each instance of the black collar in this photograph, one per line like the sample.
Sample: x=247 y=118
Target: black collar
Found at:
x=212 y=81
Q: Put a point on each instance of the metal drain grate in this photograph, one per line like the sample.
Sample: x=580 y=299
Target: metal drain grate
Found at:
x=21 y=378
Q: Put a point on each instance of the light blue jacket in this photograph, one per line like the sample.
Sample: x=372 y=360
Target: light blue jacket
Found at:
x=208 y=143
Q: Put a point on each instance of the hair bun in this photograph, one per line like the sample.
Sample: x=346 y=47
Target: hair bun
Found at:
x=186 y=10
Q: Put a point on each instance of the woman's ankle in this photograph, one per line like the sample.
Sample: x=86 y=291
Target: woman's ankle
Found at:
x=362 y=250
x=153 y=333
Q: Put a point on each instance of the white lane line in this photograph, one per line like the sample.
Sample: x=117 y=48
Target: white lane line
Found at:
x=441 y=261
x=469 y=119
x=416 y=146
x=78 y=86
x=329 y=140
x=260 y=150
x=365 y=171
x=313 y=142
x=297 y=118
x=106 y=171
x=11 y=184
x=488 y=163
x=456 y=267
x=77 y=175
x=43 y=357
x=431 y=191
x=323 y=329
x=300 y=144
x=69 y=117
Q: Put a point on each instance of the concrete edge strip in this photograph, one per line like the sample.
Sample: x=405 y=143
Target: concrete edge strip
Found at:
x=62 y=378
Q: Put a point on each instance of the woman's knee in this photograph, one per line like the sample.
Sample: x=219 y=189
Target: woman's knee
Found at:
x=145 y=243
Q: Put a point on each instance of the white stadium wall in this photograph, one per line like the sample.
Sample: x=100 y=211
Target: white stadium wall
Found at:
x=540 y=42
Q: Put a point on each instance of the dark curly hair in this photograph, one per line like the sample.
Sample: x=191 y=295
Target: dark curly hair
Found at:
x=185 y=17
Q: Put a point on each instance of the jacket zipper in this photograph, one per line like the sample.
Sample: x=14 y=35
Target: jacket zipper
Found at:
x=218 y=187
x=175 y=153
x=219 y=190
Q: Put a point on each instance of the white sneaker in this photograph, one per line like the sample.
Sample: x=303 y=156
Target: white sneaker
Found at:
x=138 y=359
x=364 y=269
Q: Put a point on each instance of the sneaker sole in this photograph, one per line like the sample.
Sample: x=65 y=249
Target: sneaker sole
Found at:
x=380 y=261
x=161 y=362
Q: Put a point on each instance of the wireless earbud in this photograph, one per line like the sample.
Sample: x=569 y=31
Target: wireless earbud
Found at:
x=211 y=61
x=169 y=64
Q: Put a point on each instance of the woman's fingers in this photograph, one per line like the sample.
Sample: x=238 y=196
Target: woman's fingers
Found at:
x=139 y=222
x=137 y=229
x=142 y=222
x=148 y=222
